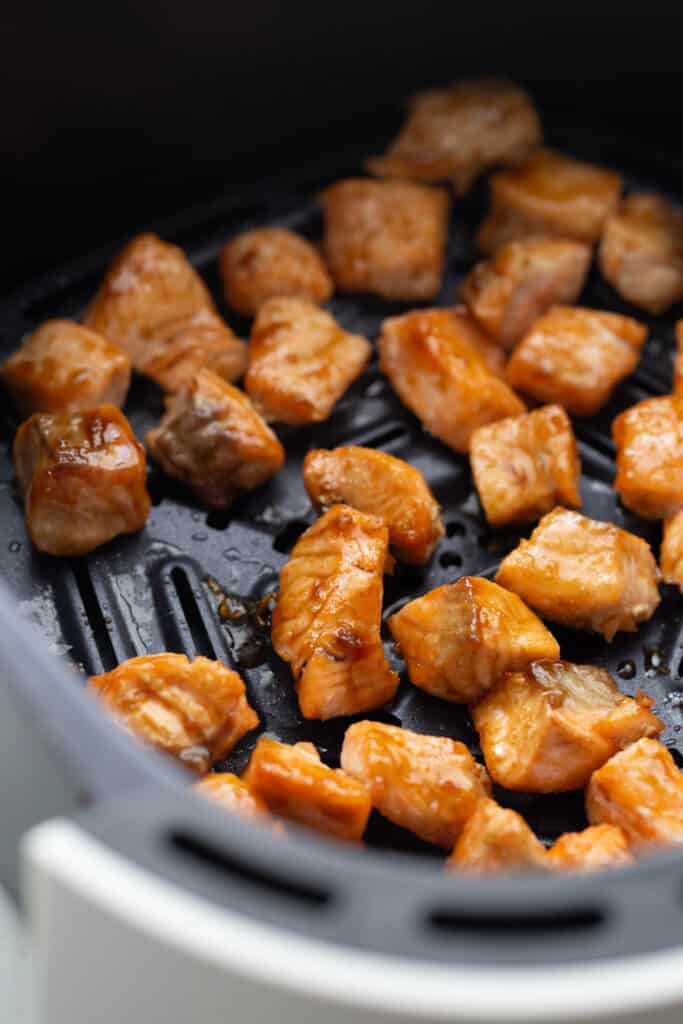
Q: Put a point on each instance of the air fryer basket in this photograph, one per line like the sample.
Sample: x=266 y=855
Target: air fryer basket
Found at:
x=195 y=582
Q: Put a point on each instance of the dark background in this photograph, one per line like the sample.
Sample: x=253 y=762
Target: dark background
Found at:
x=114 y=116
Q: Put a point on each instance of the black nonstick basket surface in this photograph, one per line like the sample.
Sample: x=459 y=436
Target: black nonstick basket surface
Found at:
x=194 y=581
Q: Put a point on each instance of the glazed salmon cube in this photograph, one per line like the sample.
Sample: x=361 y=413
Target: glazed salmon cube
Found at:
x=63 y=367
x=522 y=280
x=427 y=784
x=301 y=361
x=231 y=793
x=649 y=442
x=640 y=790
x=678 y=360
x=584 y=573
x=437 y=372
x=496 y=839
x=295 y=785
x=380 y=485
x=268 y=263
x=547 y=728
x=458 y=639
x=671 y=551
x=184 y=347
x=525 y=465
x=386 y=237
x=641 y=252
x=551 y=194
x=195 y=711
x=83 y=479
x=455 y=134
x=576 y=357
x=150 y=284
x=213 y=440
x=327 y=620
x=493 y=354
x=595 y=849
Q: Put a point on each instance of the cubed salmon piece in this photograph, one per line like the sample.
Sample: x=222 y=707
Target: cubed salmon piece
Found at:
x=427 y=784
x=63 y=367
x=641 y=252
x=496 y=839
x=386 y=237
x=380 y=485
x=550 y=194
x=525 y=465
x=641 y=791
x=458 y=639
x=327 y=620
x=213 y=440
x=83 y=478
x=493 y=354
x=584 y=573
x=455 y=134
x=649 y=442
x=678 y=360
x=547 y=728
x=439 y=374
x=595 y=849
x=301 y=361
x=671 y=551
x=232 y=793
x=184 y=347
x=576 y=357
x=297 y=786
x=268 y=263
x=150 y=284
x=522 y=280
x=196 y=711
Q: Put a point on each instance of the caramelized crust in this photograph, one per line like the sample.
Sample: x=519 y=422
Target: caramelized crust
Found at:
x=82 y=477
x=458 y=639
x=641 y=252
x=508 y=292
x=438 y=373
x=327 y=620
x=496 y=839
x=293 y=783
x=550 y=194
x=427 y=784
x=595 y=849
x=457 y=133
x=196 y=711
x=232 y=794
x=386 y=237
x=301 y=361
x=649 y=442
x=63 y=367
x=576 y=357
x=213 y=440
x=380 y=485
x=183 y=347
x=671 y=551
x=525 y=465
x=268 y=263
x=547 y=728
x=584 y=573
x=640 y=790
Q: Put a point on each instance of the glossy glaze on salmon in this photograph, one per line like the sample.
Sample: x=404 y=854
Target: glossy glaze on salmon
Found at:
x=297 y=786
x=547 y=728
x=594 y=849
x=380 y=485
x=386 y=237
x=525 y=465
x=649 y=443
x=183 y=347
x=195 y=711
x=213 y=440
x=441 y=377
x=584 y=573
x=458 y=639
x=83 y=479
x=427 y=784
x=232 y=794
x=671 y=551
x=496 y=839
x=301 y=361
x=326 y=623
x=521 y=281
x=455 y=134
x=575 y=357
